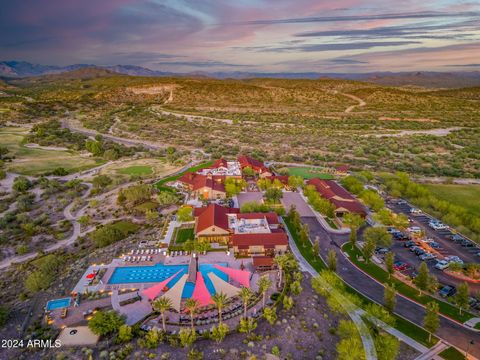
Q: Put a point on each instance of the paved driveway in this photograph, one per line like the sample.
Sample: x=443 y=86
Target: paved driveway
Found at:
x=244 y=197
x=293 y=198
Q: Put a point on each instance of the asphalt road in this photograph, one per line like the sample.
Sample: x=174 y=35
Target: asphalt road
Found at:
x=449 y=330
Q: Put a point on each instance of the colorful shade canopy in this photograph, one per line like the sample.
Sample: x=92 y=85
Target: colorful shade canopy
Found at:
x=240 y=276
x=90 y=276
x=200 y=292
x=175 y=293
x=155 y=290
x=221 y=286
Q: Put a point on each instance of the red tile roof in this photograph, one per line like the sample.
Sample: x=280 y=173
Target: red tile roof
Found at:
x=211 y=215
x=262 y=261
x=198 y=181
x=338 y=196
x=272 y=217
x=342 y=168
x=255 y=164
x=282 y=178
x=266 y=240
x=219 y=163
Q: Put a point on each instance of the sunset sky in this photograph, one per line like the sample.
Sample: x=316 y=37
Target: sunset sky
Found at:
x=245 y=35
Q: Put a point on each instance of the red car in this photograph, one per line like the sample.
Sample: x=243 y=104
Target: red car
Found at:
x=401 y=266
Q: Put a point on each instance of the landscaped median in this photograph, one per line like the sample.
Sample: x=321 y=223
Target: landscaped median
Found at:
x=404 y=289
x=406 y=327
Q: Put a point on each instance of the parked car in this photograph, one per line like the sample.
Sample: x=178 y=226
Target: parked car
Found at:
x=400 y=266
x=382 y=250
x=456 y=238
x=427 y=256
x=447 y=291
x=467 y=243
x=401 y=202
x=454 y=258
x=442 y=264
x=420 y=251
x=414 y=248
x=437 y=225
x=434 y=245
x=414 y=230
x=415 y=211
x=400 y=236
x=409 y=244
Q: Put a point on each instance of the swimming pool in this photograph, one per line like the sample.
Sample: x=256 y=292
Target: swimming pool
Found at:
x=160 y=272
x=58 y=303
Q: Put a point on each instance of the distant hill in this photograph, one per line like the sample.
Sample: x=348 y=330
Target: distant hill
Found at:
x=20 y=69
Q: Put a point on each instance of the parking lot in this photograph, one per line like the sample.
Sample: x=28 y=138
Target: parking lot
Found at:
x=442 y=247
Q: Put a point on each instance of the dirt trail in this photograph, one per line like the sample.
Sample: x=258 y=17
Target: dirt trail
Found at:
x=361 y=103
x=434 y=132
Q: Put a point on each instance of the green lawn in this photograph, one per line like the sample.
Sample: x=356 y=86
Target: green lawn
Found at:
x=182 y=235
x=136 y=170
x=461 y=195
x=148 y=205
x=381 y=275
x=401 y=324
x=308 y=173
x=34 y=161
x=160 y=184
x=452 y=354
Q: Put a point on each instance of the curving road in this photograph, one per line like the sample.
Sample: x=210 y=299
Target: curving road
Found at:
x=450 y=331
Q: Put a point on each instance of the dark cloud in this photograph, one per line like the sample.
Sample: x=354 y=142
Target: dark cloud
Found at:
x=463 y=65
x=335 y=46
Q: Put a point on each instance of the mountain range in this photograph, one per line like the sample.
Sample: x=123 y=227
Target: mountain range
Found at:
x=21 y=69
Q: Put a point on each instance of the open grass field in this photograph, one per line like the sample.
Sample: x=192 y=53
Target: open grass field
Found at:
x=160 y=184
x=461 y=195
x=142 y=167
x=183 y=235
x=136 y=170
x=34 y=161
x=452 y=354
x=308 y=173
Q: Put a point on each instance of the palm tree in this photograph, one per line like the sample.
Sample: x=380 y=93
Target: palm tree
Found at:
x=245 y=294
x=264 y=284
x=162 y=304
x=281 y=261
x=192 y=305
x=220 y=299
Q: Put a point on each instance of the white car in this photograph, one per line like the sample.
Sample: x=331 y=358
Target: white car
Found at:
x=455 y=259
x=415 y=211
x=427 y=256
x=436 y=225
x=442 y=264
x=414 y=229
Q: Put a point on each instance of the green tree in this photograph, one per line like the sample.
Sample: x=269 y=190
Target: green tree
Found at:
x=37 y=281
x=388 y=345
x=248 y=171
x=352 y=184
x=187 y=337
x=4 y=314
x=316 y=247
x=247 y=325
x=295 y=181
x=124 y=333
x=246 y=295
x=191 y=306
x=389 y=297
x=21 y=184
x=95 y=147
x=185 y=214
x=219 y=332
x=101 y=181
x=372 y=199
x=167 y=198
x=106 y=235
x=431 y=321
x=378 y=235
x=152 y=338
x=390 y=263
x=84 y=220
x=303 y=235
x=332 y=260
x=263 y=284
x=136 y=194
x=296 y=288
x=270 y=314
x=287 y=302
x=161 y=305
x=462 y=296
x=220 y=300
x=368 y=249
x=423 y=278
x=353 y=221
x=105 y=322
x=273 y=194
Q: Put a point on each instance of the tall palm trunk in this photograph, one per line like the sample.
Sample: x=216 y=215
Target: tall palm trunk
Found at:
x=245 y=309
x=163 y=322
x=191 y=320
